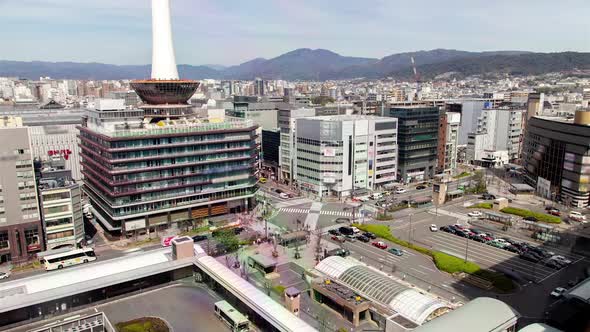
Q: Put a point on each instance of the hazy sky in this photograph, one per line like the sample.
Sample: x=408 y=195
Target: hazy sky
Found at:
x=233 y=31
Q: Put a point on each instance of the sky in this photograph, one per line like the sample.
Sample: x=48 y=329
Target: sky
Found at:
x=230 y=32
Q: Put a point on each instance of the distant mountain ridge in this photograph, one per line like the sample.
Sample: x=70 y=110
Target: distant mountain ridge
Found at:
x=320 y=64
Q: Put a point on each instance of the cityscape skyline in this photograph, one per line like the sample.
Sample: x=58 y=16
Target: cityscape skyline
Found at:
x=119 y=27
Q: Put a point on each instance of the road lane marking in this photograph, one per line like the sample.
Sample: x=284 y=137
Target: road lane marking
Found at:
x=413 y=269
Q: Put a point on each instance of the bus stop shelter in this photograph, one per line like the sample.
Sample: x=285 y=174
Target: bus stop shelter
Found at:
x=499 y=217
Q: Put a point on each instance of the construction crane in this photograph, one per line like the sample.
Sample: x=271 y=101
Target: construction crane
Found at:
x=416 y=77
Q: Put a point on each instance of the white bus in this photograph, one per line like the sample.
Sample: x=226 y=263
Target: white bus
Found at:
x=69 y=258
x=231 y=317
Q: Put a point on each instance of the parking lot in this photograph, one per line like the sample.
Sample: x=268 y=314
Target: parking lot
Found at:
x=491 y=257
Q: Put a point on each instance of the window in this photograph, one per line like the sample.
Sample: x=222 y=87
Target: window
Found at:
x=32 y=236
x=4 y=244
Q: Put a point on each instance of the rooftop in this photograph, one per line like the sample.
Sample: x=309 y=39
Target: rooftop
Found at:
x=481 y=314
x=173 y=126
x=581 y=291
x=351 y=117
x=44 y=287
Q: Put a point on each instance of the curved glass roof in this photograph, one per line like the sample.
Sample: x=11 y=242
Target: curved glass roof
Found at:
x=379 y=287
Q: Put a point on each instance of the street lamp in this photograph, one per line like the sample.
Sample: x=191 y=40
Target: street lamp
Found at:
x=410 y=230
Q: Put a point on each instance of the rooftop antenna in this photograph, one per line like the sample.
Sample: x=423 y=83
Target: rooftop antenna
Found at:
x=416 y=77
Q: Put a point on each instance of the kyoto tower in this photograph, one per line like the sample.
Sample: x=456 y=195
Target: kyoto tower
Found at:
x=164 y=93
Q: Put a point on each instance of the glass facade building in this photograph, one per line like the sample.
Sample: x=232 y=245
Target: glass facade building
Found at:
x=144 y=173
x=556 y=159
x=417 y=141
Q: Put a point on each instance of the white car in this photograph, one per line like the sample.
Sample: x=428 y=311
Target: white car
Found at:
x=4 y=275
x=400 y=190
x=433 y=228
x=475 y=214
x=283 y=195
x=561 y=259
x=558 y=292
x=577 y=216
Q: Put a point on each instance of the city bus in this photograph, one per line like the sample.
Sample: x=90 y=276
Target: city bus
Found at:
x=69 y=258
x=231 y=317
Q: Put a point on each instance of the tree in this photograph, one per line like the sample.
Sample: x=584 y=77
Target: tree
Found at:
x=321 y=100
x=228 y=240
x=480 y=183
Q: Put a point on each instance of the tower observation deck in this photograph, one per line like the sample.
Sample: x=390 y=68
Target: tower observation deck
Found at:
x=164 y=87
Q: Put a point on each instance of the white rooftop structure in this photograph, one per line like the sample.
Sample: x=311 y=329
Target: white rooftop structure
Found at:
x=75 y=280
x=163 y=58
x=381 y=288
x=275 y=313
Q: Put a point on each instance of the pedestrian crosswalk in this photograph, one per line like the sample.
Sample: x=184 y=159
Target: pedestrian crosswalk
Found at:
x=326 y=213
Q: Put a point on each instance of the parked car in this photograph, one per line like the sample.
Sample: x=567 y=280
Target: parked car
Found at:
x=485 y=237
x=577 y=216
x=379 y=244
x=198 y=238
x=351 y=238
x=333 y=232
x=238 y=230
x=555 y=212
x=338 y=238
x=497 y=243
x=512 y=248
x=561 y=259
x=488 y=196
x=4 y=275
x=558 y=292
x=475 y=214
x=355 y=230
x=433 y=228
x=531 y=218
x=400 y=191
x=342 y=220
x=445 y=229
x=540 y=251
x=420 y=187
x=339 y=252
x=278 y=191
x=369 y=235
x=396 y=251
x=346 y=230
x=553 y=264
x=284 y=195
x=527 y=256
x=362 y=238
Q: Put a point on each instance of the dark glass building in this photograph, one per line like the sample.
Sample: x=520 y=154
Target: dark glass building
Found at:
x=417 y=141
x=556 y=158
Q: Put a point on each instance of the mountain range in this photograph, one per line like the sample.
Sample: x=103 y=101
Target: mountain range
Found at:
x=320 y=64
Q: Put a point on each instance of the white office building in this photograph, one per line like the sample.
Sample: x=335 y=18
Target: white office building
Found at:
x=288 y=116
x=497 y=130
x=338 y=155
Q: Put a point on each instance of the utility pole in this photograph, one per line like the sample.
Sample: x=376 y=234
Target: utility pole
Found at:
x=466 y=248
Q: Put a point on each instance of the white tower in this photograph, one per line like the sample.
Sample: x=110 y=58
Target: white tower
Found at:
x=163 y=59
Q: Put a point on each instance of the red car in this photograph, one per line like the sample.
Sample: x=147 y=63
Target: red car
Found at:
x=379 y=244
x=554 y=212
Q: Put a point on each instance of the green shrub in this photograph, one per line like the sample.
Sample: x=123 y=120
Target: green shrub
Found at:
x=481 y=206
x=279 y=289
x=383 y=217
x=528 y=213
x=462 y=175
x=452 y=264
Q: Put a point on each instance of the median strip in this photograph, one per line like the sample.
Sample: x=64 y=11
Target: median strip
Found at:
x=444 y=262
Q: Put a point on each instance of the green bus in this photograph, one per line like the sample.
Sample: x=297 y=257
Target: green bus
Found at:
x=231 y=317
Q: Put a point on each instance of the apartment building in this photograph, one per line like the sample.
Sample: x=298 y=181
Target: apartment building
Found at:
x=448 y=141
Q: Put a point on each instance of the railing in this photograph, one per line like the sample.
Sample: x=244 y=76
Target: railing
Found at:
x=180 y=129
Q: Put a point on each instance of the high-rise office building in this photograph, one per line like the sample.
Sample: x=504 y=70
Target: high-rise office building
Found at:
x=417 y=140
x=21 y=233
x=259 y=86
x=160 y=165
x=556 y=158
x=288 y=115
x=343 y=154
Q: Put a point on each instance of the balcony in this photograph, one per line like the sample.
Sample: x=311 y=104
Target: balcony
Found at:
x=231 y=139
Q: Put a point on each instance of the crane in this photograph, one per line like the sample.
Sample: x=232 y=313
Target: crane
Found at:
x=416 y=77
